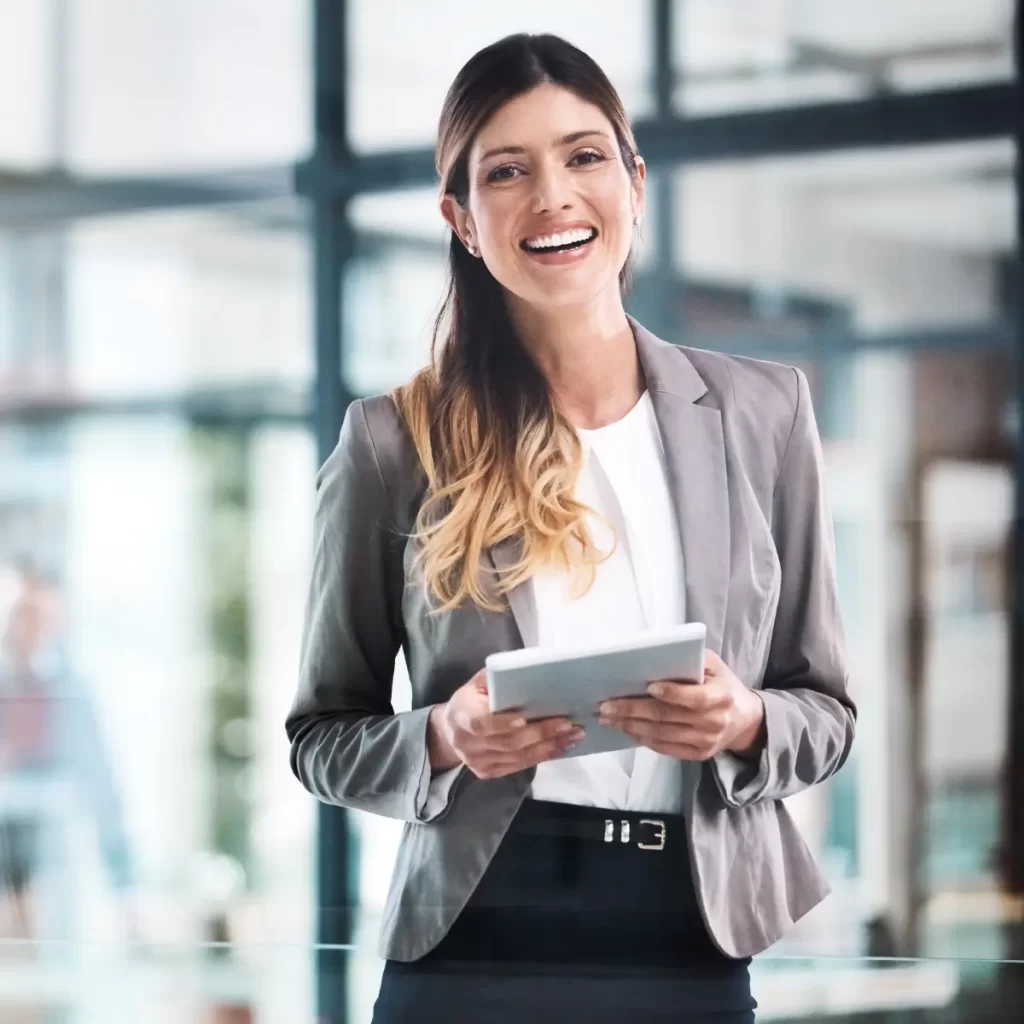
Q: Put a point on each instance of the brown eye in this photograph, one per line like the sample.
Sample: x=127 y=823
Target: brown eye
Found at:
x=588 y=156
x=507 y=172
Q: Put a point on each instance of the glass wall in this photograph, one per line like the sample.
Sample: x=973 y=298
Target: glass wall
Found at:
x=156 y=491
x=403 y=57
x=158 y=459
x=112 y=87
x=735 y=55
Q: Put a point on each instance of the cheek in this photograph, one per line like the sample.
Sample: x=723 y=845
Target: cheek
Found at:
x=493 y=219
x=616 y=214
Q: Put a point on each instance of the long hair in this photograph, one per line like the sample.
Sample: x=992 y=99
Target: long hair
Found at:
x=501 y=463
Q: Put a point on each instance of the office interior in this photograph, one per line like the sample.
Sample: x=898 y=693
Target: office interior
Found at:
x=218 y=226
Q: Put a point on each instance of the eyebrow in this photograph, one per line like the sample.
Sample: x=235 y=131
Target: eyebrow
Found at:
x=565 y=140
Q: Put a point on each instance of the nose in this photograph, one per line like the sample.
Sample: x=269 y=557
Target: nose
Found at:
x=552 y=189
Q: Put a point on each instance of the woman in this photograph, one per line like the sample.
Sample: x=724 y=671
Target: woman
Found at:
x=556 y=473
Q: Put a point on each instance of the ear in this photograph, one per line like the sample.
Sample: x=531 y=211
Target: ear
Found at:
x=639 y=190
x=460 y=221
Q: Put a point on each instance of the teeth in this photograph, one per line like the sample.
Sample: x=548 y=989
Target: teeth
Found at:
x=563 y=238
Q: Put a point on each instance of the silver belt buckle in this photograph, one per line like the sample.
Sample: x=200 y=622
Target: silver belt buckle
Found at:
x=660 y=834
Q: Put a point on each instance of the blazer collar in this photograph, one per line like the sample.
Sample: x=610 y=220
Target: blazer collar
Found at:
x=667 y=369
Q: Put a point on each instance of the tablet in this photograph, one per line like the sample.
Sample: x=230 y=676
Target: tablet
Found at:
x=543 y=682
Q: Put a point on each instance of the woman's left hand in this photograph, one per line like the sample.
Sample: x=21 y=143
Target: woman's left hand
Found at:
x=693 y=722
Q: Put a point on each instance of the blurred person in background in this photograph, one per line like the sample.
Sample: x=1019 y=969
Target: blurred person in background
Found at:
x=557 y=475
x=53 y=760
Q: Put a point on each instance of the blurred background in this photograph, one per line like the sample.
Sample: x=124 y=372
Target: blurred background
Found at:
x=218 y=225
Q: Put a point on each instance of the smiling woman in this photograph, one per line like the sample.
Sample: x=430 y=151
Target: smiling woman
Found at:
x=558 y=474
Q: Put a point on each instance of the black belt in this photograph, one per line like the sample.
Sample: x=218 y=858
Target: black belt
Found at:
x=643 y=831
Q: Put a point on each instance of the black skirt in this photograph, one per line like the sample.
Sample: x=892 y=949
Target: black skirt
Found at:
x=565 y=924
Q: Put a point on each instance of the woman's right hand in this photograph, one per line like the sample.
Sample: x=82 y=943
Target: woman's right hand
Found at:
x=464 y=730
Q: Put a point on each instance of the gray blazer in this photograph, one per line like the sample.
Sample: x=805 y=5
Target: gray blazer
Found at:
x=746 y=471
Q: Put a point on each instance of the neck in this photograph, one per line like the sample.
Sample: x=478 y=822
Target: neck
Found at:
x=588 y=357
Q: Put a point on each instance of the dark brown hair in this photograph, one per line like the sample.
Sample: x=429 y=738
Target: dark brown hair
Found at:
x=499 y=459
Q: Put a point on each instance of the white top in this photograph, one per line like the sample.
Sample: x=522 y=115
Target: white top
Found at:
x=639 y=587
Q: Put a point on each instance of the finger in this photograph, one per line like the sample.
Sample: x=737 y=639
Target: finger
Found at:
x=659 y=735
x=484 y=723
x=546 y=731
x=646 y=708
x=499 y=723
x=694 y=697
x=487 y=738
x=497 y=765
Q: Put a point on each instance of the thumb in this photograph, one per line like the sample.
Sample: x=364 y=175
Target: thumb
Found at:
x=480 y=681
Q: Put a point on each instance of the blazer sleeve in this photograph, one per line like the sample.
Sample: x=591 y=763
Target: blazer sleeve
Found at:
x=348 y=747
x=809 y=715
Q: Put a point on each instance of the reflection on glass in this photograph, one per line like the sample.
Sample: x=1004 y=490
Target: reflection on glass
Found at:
x=53 y=758
x=967 y=513
x=214 y=86
x=870 y=241
x=166 y=301
x=734 y=55
x=154 y=304
x=152 y=579
x=403 y=56
x=26 y=81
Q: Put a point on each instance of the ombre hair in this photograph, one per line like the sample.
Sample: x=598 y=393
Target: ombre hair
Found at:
x=501 y=462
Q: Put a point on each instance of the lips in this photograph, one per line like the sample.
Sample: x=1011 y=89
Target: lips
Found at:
x=560 y=241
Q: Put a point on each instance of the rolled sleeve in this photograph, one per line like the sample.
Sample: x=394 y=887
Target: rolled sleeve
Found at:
x=436 y=792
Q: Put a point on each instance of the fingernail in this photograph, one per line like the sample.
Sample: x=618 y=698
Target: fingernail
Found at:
x=656 y=689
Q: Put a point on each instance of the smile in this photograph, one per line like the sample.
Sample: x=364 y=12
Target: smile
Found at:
x=563 y=241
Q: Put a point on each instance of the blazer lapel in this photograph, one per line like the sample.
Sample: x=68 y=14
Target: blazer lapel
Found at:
x=695 y=454
x=502 y=557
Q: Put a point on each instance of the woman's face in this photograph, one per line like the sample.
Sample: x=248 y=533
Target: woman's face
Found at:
x=551 y=205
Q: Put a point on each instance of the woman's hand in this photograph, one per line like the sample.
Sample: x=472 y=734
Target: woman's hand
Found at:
x=465 y=731
x=693 y=722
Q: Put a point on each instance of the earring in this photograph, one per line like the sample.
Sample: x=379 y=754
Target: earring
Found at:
x=470 y=247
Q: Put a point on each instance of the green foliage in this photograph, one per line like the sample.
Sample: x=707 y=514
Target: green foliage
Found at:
x=222 y=458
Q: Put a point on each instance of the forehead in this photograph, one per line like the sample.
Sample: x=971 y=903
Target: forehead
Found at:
x=538 y=119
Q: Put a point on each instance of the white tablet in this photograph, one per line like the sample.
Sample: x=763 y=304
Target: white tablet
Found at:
x=544 y=682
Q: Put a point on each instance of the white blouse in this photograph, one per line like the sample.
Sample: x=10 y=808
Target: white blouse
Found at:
x=640 y=586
